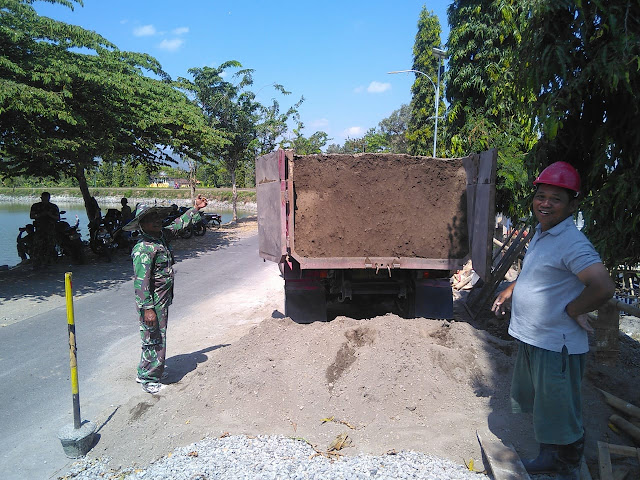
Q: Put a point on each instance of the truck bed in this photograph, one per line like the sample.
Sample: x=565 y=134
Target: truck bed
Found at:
x=376 y=211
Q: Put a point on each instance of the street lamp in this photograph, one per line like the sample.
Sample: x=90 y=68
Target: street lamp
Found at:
x=441 y=54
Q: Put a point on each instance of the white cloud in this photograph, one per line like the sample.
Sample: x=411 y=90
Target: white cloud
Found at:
x=321 y=122
x=171 y=45
x=180 y=30
x=144 y=31
x=353 y=132
x=359 y=89
x=378 y=87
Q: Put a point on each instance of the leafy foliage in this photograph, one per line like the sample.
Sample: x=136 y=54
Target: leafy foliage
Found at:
x=486 y=109
x=390 y=136
x=584 y=59
x=395 y=127
x=61 y=109
x=303 y=145
x=231 y=108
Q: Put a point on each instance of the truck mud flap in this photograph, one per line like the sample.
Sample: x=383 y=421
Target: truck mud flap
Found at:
x=305 y=300
x=433 y=299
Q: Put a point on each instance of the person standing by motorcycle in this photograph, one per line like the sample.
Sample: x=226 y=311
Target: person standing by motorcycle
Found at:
x=45 y=215
x=125 y=211
x=153 y=284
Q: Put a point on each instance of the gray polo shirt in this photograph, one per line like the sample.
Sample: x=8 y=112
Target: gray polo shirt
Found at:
x=547 y=283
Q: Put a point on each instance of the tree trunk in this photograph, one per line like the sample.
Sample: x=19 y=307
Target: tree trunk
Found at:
x=234 y=196
x=192 y=181
x=89 y=206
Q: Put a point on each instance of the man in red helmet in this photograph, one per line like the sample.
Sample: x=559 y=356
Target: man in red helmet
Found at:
x=562 y=279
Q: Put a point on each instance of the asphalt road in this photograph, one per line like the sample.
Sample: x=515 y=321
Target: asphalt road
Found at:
x=34 y=357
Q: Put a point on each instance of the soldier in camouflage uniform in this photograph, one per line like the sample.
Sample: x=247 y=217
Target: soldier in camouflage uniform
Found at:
x=153 y=284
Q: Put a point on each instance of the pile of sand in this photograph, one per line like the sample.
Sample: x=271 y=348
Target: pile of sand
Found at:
x=380 y=205
x=387 y=382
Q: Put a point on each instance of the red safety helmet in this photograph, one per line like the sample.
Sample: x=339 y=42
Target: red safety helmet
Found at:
x=560 y=174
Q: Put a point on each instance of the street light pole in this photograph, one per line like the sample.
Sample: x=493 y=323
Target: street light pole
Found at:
x=440 y=54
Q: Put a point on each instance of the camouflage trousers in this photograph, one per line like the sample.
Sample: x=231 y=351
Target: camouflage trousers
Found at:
x=154 y=345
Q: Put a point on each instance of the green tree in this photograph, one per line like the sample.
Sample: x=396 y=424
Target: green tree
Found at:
x=60 y=109
x=584 y=59
x=421 y=123
x=306 y=145
x=273 y=125
x=230 y=108
x=394 y=128
x=486 y=109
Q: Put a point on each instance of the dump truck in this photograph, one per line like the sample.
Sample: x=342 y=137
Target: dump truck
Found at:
x=374 y=225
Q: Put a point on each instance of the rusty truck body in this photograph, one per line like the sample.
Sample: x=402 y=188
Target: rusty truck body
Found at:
x=374 y=225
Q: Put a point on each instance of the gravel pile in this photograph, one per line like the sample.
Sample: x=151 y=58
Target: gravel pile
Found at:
x=274 y=457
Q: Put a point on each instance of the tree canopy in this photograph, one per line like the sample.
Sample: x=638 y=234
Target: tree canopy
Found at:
x=231 y=108
x=583 y=57
x=485 y=110
x=61 y=108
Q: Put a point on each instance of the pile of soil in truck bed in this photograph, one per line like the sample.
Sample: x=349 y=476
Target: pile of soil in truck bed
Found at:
x=380 y=205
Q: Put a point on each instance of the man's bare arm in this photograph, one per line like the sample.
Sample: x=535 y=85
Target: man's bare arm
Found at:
x=598 y=289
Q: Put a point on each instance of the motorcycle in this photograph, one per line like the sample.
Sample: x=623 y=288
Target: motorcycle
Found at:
x=69 y=240
x=101 y=235
x=206 y=219
x=47 y=246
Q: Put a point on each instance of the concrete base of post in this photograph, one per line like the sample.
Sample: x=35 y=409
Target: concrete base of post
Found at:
x=77 y=442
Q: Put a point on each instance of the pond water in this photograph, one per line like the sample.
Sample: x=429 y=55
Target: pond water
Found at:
x=16 y=215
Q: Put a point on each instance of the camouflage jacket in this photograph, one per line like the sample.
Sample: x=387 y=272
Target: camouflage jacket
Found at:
x=153 y=264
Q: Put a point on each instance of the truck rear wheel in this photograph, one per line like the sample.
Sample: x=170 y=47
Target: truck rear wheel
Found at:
x=305 y=301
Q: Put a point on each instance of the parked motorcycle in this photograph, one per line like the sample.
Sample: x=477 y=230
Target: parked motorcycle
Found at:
x=25 y=242
x=101 y=238
x=206 y=219
x=69 y=240
x=43 y=247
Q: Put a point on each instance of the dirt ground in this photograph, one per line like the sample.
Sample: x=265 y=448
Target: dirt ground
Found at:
x=387 y=382
x=428 y=222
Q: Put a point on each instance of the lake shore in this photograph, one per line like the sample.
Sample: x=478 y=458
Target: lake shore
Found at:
x=111 y=201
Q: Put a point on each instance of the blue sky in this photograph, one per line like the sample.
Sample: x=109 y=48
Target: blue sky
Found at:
x=334 y=53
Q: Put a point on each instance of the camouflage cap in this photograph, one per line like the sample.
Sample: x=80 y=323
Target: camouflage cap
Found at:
x=142 y=211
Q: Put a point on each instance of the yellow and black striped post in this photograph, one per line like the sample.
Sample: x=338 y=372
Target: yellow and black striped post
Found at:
x=72 y=351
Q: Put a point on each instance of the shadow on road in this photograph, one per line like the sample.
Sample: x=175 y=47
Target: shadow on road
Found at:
x=24 y=282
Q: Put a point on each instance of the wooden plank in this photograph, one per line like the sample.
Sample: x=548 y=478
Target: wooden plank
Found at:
x=604 y=461
x=503 y=460
x=619 y=404
x=626 y=426
x=607 y=331
x=624 y=450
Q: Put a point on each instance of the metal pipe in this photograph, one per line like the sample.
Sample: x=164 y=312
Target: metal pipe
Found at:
x=435 y=130
x=72 y=351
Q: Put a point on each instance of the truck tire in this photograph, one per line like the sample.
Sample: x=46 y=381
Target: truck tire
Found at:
x=305 y=300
